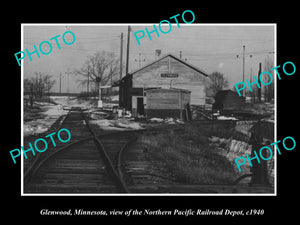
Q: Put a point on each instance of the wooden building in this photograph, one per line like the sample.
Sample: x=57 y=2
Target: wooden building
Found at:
x=228 y=100
x=163 y=103
x=166 y=72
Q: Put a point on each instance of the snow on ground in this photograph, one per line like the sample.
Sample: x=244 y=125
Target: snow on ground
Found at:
x=231 y=149
x=54 y=111
x=95 y=114
x=166 y=120
x=69 y=102
x=36 y=126
x=110 y=105
x=157 y=120
x=120 y=124
x=49 y=115
x=51 y=112
x=115 y=98
x=101 y=120
x=226 y=118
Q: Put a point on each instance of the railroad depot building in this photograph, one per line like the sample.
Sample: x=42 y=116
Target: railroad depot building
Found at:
x=162 y=86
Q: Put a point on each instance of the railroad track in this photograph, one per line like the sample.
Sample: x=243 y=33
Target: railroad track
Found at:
x=111 y=162
x=141 y=172
x=81 y=166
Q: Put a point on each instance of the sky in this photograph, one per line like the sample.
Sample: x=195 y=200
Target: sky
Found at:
x=210 y=47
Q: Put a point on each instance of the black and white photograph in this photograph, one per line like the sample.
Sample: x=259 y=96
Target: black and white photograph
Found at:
x=146 y=113
x=148 y=109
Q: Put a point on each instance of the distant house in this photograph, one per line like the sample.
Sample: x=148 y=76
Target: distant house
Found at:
x=228 y=100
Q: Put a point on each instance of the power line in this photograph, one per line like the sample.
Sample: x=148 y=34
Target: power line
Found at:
x=211 y=54
x=99 y=41
x=90 y=42
x=77 y=36
x=189 y=56
x=233 y=57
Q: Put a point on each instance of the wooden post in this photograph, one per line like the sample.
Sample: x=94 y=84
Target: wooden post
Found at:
x=259 y=89
x=180 y=105
x=259 y=170
x=243 y=93
x=121 y=56
x=60 y=83
x=128 y=42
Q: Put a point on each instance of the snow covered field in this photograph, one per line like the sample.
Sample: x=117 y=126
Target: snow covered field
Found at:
x=68 y=102
x=120 y=124
x=44 y=114
x=48 y=113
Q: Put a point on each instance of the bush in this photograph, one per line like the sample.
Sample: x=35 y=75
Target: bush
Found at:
x=189 y=157
x=86 y=95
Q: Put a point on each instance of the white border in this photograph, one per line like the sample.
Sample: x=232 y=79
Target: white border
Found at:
x=275 y=110
x=152 y=194
x=22 y=111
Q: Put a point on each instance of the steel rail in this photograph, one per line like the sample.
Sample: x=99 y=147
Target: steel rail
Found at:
x=121 y=153
x=28 y=173
x=120 y=182
x=44 y=160
x=39 y=162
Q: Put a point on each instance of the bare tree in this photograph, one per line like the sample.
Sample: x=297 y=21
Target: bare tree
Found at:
x=218 y=82
x=99 y=69
x=39 y=85
x=36 y=87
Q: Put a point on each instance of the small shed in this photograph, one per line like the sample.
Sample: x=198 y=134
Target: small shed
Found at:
x=171 y=102
x=228 y=100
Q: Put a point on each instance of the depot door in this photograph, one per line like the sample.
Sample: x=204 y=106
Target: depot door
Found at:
x=140 y=106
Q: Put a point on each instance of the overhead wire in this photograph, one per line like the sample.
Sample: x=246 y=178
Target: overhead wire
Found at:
x=189 y=56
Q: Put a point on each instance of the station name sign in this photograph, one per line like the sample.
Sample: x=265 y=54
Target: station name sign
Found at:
x=169 y=75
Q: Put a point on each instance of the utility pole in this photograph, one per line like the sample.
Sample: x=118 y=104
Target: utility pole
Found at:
x=60 y=83
x=250 y=65
x=243 y=92
x=68 y=73
x=128 y=41
x=259 y=89
x=259 y=170
x=121 y=55
x=252 y=94
x=243 y=69
x=36 y=84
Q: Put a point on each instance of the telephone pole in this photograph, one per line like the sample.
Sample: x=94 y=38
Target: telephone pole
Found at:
x=68 y=73
x=128 y=41
x=252 y=94
x=121 y=55
x=60 y=83
x=243 y=91
x=244 y=68
x=259 y=89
